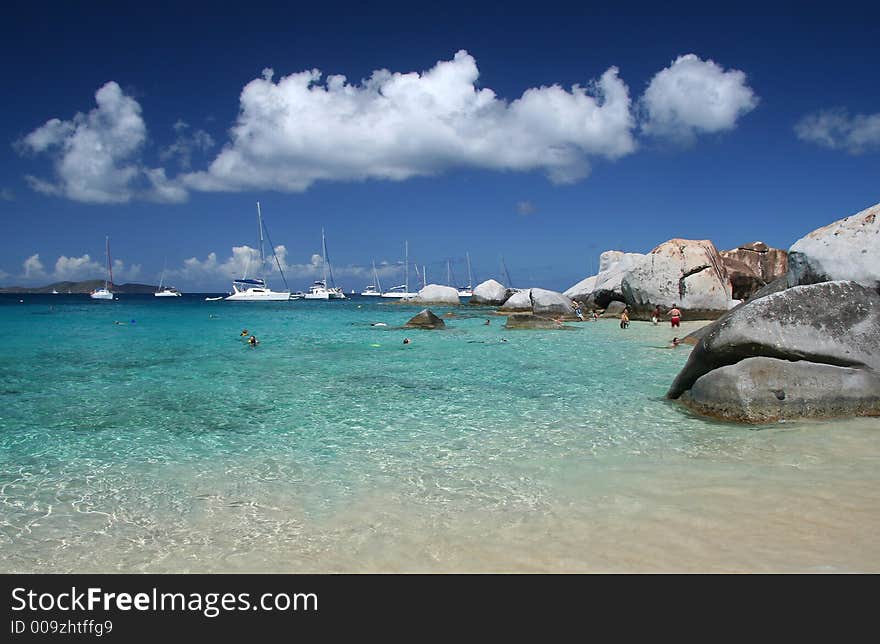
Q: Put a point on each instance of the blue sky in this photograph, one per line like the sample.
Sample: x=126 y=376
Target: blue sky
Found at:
x=760 y=124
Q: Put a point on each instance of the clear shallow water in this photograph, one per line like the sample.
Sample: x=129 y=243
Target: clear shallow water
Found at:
x=170 y=445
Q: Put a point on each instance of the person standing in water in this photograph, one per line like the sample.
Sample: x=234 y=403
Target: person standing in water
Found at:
x=655 y=316
x=624 y=318
x=675 y=316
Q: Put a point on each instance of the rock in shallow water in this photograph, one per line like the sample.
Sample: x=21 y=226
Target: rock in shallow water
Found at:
x=425 y=319
x=490 y=293
x=761 y=390
x=815 y=327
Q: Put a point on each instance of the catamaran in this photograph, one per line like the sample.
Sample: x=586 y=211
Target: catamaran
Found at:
x=255 y=289
x=402 y=291
x=319 y=289
x=168 y=291
x=105 y=293
x=374 y=289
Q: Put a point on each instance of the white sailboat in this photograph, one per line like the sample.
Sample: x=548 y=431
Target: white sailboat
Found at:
x=168 y=291
x=374 y=289
x=402 y=291
x=105 y=293
x=256 y=289
x=468 y=290
x=319 y=289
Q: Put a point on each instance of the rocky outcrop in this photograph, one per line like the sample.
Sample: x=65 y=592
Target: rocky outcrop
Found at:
x=425 y=319
x=490 y=293
x=777 y=285
x=832 y=324
x=528 y=321
x=761 y=390
x=614 y=310
x=751 y=266
x=847 y=249
x=539 y=301
x=546 y=302
x=437 y=294
x=606 y=287
x=683 y=272
x=519 y=301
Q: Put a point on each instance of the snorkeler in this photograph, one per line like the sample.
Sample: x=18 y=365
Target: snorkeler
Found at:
x=253 y=341
x=244 y=332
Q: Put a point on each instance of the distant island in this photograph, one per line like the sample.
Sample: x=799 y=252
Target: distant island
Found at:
x=86 y=286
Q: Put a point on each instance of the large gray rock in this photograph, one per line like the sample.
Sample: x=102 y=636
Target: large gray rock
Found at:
x=437 y=294
x=425 y=319
x=606 y=287
x=847 y=249
x=490 y=293
x=761 y=390
x=753 y=265
x=546 y=302
x=519 y=301
x=539 y=301
x=833 y=323
x=777 y=285
x=684 y=272
x=614 y=310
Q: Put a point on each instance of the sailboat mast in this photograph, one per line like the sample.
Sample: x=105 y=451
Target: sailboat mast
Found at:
x=109 y=262
x=262 y=253
x=424 y=276
x=406 y=266
x=470 y=279
x=324 y=255
x=376 y=276
x=448 y=274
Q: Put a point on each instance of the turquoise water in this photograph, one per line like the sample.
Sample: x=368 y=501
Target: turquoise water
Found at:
x=168 y=444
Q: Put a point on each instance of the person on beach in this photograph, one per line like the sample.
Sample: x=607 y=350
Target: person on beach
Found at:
x=624 y=318
x=253 y=341
x=675 y=316
x=655 y=316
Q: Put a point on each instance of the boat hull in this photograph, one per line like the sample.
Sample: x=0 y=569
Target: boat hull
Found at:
x=270 y=296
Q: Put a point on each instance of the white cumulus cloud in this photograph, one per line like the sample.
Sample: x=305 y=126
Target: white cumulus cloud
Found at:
x=96 y=155
x=838 y=130
x=694 y=96
x=33 y=267
x=393 y=125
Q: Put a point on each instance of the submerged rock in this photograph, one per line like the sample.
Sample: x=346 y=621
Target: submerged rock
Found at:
x=684 y=272
x=528 y=321
x=847 y=249
x=437 y=294
x=760 y=390
x=815 y=326
x=490 y=293
x=425 y=319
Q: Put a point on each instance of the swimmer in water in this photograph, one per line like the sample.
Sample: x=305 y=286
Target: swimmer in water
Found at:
x=675 y=342
x=378 y=324
x=253 y=341
x=488 y=322
x=406 y=340
x=244 y=332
